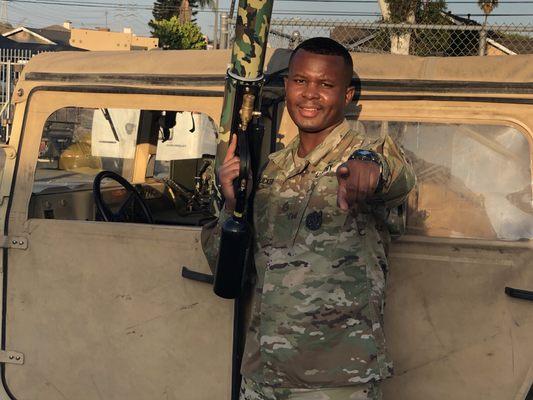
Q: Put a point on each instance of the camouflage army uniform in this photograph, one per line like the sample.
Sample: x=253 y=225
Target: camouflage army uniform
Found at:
x=317 y=308
x=251 y=390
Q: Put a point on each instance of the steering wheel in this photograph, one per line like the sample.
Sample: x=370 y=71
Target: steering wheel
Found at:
x=133 y=197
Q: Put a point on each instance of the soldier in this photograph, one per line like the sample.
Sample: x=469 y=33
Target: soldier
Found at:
x=316 y=330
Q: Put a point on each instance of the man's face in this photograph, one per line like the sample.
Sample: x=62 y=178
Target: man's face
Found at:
x=317 y=91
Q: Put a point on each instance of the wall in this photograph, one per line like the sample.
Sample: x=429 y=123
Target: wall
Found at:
x=99 y=40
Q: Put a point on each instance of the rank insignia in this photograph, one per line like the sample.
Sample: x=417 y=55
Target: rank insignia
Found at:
x=313 y=221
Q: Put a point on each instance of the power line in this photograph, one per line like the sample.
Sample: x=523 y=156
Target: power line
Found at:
x=148 y=8
x=347 y=13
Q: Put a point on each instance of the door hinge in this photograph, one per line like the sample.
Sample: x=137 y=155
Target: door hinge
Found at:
x=14 y=242
x=11 y=357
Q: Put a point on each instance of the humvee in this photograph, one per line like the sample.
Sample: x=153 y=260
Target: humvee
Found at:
x=106 y=290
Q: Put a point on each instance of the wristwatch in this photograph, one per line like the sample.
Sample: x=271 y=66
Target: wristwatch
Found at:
x=369 y=155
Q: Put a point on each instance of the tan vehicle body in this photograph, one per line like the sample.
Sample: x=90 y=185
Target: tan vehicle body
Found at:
x=97 y=310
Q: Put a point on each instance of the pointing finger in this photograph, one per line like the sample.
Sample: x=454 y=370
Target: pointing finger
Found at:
x=341 y=198
x=342 y=172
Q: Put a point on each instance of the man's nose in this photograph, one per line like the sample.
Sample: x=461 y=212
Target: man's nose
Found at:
x=311 y=91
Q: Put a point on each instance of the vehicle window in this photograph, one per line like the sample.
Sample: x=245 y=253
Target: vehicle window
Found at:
x=166 y=154
x=77 y=143
x=193 y=136
x=474 y=181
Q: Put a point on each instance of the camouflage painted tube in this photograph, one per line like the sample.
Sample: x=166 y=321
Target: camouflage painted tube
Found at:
x=247 y=62
x=251 y=35
x=240 y=114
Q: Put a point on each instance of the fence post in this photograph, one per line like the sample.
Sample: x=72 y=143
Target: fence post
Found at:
x=7 y=115
x=482 y=40
x=224 y=22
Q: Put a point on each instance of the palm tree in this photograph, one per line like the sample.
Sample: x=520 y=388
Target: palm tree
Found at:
x=487 y=6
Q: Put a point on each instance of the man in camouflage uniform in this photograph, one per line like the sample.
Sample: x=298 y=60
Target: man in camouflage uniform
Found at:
x=316 y=330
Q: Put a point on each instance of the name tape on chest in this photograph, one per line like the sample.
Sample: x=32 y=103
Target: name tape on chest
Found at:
x=265 y=181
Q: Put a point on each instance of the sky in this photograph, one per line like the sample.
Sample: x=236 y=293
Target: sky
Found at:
x=135 y=14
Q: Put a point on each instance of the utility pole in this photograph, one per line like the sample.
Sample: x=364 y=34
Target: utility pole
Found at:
x=224 y=31
x=487 y=6
x=215 y=28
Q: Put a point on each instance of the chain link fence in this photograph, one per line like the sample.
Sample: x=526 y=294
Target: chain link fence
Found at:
x=11 y=63
x=466 y=38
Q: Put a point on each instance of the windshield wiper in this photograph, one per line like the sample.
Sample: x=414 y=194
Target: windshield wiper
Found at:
x=107 y=116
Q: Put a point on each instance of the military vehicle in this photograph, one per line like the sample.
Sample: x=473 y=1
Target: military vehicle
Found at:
x=106 y=291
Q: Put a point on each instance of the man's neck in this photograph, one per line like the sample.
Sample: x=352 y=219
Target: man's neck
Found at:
x=310 y=140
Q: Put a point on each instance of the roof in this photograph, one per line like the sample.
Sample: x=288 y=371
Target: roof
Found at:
x=515 y=43
x=508 y=43
x=56 y=28
x=6 y=43
x=28 y=30
x=52 y=35
x=516 y=69
x=59 y=36
x=457 y=20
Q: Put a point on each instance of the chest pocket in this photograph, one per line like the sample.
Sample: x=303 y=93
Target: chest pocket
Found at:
x=263 y=223
x=323 y=222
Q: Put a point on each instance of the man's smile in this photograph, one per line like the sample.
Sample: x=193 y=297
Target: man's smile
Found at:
x=309 y=111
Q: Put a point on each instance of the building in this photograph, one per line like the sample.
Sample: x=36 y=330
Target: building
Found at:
x=55 y=36
x=498 y=43
x=104 y=40
x=65 y=37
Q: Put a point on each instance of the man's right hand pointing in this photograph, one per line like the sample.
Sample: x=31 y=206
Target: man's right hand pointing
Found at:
x=358 y=181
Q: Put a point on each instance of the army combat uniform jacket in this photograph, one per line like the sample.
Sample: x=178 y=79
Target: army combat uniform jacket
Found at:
x=317 y=307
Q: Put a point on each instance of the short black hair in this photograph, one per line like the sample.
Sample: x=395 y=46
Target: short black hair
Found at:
x=325 y=46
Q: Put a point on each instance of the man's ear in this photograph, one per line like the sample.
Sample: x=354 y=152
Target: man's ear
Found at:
x=285 y=80
x=350 y=93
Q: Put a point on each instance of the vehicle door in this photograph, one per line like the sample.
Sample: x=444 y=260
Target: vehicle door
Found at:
x=452 y=329
x=94 y=309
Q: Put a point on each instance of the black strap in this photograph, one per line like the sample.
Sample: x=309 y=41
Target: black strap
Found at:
x=519 y=294
x=196 y=276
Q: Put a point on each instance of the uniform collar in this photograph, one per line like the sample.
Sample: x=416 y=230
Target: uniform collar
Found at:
x=284 y=158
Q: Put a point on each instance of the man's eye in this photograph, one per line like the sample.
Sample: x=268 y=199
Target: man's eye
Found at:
x=327 y=85
x=299 y=81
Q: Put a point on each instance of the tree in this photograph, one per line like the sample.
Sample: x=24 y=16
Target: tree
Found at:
x=166 y=9
x=410 y=12
x=176 y=36
x=487 y=6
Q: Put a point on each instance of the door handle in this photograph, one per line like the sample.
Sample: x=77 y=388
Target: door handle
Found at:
x=196 y=276
x=519 y=293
